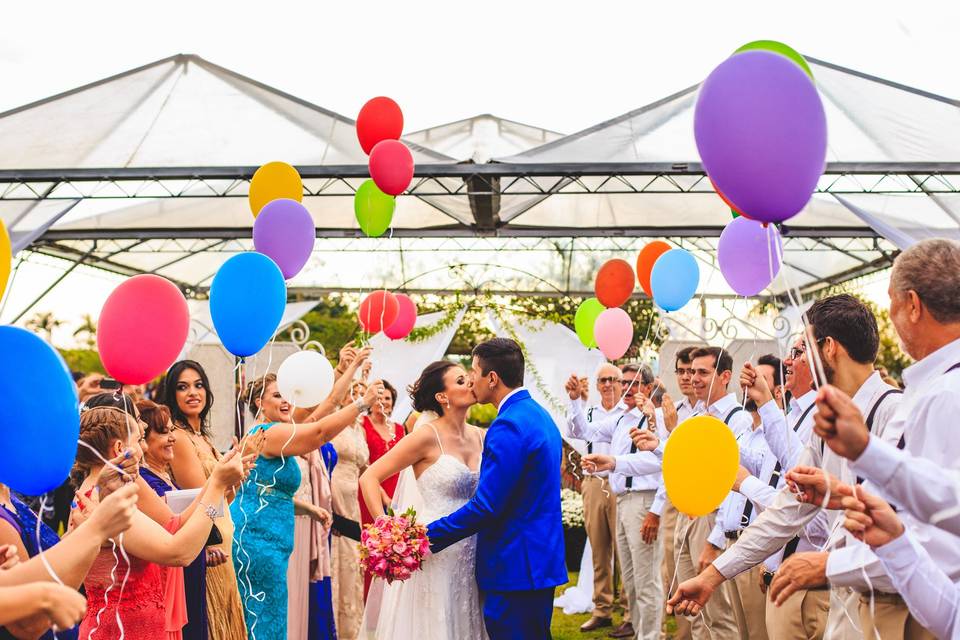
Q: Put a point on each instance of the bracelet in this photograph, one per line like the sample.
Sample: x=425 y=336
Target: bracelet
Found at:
x=361 y=406
x=212 y=513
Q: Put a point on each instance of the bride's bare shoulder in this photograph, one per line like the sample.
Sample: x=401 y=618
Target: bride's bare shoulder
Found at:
x=478 y=431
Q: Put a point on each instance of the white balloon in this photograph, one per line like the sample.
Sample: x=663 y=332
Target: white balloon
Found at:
x=305 y=378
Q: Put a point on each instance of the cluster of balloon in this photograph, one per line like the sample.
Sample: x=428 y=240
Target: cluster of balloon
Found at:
x=761 y=131
x=674 y=279
x=379 y=126
x=393 y=313
x=283 y=229
x=700 y=465
x=612 y=329
x=6 y=258
x=39 y=442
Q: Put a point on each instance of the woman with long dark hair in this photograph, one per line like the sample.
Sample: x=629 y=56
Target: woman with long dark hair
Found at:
x=187 y=394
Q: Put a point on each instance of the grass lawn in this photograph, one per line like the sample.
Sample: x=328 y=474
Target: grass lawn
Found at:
x=568 y=627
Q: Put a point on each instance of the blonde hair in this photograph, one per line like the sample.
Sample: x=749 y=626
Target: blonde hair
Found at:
x=255 y=392
x=99 y=428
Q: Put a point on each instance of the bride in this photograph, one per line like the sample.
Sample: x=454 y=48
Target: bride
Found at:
x=440 y=463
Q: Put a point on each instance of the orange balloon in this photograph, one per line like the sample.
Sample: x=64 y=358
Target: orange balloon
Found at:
x=648 y=256
x=614 y=284
x=727 y=202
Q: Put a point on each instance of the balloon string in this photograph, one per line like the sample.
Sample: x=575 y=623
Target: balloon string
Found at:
x=106 y=594
x=42 y=552
x=243 y=568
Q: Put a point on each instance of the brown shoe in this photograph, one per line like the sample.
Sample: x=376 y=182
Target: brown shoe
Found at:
x=623 y=631
x=595 y=623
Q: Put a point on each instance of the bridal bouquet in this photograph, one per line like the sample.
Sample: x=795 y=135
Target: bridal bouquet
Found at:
x=393 y=547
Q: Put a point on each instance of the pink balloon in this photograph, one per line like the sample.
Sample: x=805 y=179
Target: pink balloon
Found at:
x=142 y=328
x=406 y=318
x=613 y=332
x=391 y=166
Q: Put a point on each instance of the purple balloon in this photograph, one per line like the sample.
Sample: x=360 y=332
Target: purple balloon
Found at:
x=284 y=231
x=762 y=134
x=749 y=255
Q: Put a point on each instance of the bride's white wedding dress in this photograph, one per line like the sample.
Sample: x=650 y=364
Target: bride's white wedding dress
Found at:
x=441 y=601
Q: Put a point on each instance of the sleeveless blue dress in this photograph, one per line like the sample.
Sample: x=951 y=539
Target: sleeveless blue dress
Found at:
x=263 y=541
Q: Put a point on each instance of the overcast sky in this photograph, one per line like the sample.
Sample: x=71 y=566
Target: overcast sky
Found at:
x=559 y=65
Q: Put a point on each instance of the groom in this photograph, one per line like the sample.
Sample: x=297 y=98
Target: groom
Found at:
x=516 y=509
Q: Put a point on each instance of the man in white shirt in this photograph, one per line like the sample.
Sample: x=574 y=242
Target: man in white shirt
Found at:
x=633 y=479
x=844 y=332
x=599 y=502
x=925 y=310
x=712 y=371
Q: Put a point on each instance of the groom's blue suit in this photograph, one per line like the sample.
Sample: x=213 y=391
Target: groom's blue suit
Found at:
x=516 y=516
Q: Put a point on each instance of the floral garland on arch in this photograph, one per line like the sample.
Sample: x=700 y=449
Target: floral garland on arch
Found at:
x=420 y=334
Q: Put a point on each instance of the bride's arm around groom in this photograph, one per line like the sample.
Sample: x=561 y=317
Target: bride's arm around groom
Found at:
x=515 y=512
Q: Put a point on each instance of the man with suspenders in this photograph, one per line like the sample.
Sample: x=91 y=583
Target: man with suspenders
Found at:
x=634 y=480
x=845 y=334
x=712 y=371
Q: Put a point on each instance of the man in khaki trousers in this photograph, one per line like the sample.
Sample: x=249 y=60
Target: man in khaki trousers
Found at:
x=600 y=503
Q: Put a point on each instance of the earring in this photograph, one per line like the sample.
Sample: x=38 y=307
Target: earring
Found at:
x=448 y=404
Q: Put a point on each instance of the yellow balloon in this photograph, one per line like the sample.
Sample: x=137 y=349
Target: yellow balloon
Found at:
x=700 y=465
x=274 y=180
x=6 y=258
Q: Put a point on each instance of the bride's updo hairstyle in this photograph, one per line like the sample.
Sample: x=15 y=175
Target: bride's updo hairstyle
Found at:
x=424 y=391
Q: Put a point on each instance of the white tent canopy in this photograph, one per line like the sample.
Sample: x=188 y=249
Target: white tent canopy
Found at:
x=149 y=170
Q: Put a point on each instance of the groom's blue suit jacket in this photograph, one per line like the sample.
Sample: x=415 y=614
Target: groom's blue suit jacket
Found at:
x=516 y=509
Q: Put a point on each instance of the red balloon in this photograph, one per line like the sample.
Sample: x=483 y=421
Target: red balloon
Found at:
x=391 y=166
x=380 y=119
x=378 y=310
x=614 y=284
x=727 y=202
x=406 y=319
x=142 y=328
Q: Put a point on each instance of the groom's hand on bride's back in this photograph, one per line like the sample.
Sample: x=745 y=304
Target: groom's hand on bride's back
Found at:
x=573 y=387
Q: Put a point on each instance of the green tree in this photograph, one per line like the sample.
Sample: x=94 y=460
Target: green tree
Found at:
x=83 y=360
x=87 y=328
x=44 y=322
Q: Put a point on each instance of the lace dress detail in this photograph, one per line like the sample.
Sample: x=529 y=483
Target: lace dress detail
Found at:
x=442 y=601
x=263 y=541
x=141 y=611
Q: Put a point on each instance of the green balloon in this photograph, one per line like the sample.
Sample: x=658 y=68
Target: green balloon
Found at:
x=735 y=214
x=583 y=321
x=374 y=209
x=777 y=47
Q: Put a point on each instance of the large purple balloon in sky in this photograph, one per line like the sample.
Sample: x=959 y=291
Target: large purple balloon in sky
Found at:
x=285 y=232
x=749 y=255
x=762 y=134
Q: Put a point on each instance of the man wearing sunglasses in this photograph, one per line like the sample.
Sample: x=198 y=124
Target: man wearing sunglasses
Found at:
x=844 y=333
x=599 y=502
x=634 y=479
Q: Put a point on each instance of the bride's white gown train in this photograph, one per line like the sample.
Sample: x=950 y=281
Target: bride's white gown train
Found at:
x=440 y=602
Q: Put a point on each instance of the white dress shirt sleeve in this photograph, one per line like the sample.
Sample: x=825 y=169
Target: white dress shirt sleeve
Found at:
x=751 y=459
x=774 y=528
x=760 y=493
x=930 y=594
x=716 y=537
x=857 y=567
x=782 y=440
x=596 y=431
x=641 y=463
x=930 y=492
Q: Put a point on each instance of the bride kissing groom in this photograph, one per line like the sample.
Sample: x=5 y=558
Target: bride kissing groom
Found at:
x=493 y=503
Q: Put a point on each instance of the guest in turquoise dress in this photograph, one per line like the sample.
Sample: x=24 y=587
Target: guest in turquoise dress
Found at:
x=263 y=510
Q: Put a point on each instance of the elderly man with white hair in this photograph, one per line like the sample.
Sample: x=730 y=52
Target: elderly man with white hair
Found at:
x=599 y=502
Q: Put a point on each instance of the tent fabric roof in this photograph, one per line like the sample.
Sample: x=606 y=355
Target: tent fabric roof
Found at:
x=178 y=138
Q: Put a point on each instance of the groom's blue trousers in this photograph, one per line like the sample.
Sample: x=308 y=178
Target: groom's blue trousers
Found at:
x=518 y=615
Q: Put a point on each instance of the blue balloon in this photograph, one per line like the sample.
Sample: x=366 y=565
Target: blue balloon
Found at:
x=39 y=414
x=247 y=299
x=674 y=279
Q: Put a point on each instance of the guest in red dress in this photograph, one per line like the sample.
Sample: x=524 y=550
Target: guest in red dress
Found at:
x=382 y=434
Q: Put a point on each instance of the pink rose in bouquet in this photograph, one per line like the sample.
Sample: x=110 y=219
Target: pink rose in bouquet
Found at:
x=393 y=547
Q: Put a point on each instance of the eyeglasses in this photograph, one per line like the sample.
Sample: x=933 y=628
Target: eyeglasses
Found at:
x=684 y=372
x=632 y=384
x=796 y=352
x=608 y=379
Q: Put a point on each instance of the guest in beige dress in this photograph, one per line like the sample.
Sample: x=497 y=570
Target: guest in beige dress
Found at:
x=352 y=458
x=186 y=392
